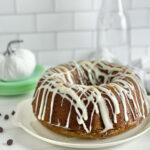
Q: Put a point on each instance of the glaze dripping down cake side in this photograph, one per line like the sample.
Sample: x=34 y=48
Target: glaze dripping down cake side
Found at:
x=90 y=99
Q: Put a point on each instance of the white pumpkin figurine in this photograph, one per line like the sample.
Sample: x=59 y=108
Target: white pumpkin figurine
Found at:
x=16 y=64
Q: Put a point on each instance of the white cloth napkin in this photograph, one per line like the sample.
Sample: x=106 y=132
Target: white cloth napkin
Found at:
x=140 y=66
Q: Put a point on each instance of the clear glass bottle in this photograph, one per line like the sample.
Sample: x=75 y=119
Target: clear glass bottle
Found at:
x=113 y=29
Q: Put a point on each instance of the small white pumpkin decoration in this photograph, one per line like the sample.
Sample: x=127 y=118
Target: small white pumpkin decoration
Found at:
x=16 y=64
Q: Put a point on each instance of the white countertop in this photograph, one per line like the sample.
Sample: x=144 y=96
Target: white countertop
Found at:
x=24 y=141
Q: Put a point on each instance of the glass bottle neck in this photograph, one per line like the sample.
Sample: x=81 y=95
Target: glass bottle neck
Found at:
x=112 y=6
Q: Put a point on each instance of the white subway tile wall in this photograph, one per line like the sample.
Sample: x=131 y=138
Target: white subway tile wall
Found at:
x=139 y=18
x=140 y=52
x=33 y=6
x=7 y=6
x=55 y=22
x=38 y=41
x=73 y=5
x=140 y=3
x=85 y=20
x=74 y=40
x=17 y=23
x=140 y=37
x=54 y=57
x=62 y=30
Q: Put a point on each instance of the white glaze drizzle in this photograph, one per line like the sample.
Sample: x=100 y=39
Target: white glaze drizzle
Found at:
x=60 y=80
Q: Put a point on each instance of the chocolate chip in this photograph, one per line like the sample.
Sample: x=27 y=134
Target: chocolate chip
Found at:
x=9 y=142
x=13 y=113
x=6 y=117
x=0 y=114
x=1 y=129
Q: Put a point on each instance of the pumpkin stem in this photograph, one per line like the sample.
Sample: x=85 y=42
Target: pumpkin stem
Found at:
x=9 y=48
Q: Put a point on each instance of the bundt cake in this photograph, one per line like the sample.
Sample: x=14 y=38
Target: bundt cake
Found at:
x=90 y=99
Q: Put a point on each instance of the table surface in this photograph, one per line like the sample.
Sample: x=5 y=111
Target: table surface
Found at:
x=24 y=141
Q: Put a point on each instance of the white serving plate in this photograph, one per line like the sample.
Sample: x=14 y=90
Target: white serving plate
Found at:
x=24 y=118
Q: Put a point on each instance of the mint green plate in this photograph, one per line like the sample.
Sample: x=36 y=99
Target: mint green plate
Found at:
x=22 y=86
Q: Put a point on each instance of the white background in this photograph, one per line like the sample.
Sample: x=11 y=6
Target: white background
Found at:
x=61 y=30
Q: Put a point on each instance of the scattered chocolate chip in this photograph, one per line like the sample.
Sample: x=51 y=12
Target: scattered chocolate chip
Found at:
x=1 y=129
x=13 y=113
x=0 y=114
x=9 y=142
x=6 y=117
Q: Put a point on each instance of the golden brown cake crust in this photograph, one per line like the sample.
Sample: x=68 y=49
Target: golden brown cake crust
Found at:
x=53 y=108
x=93 y=135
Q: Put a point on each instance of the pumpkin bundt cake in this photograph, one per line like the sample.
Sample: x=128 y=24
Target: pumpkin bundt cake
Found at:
x=90 y=99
